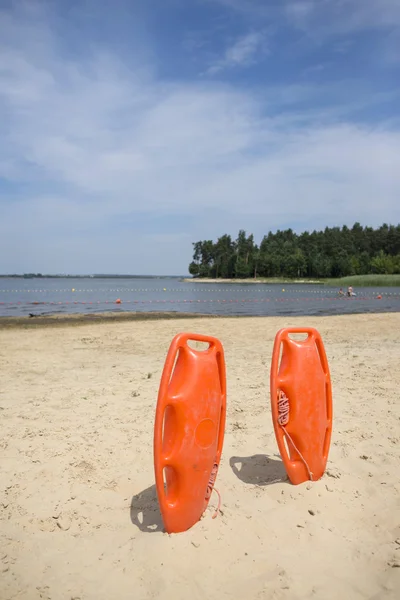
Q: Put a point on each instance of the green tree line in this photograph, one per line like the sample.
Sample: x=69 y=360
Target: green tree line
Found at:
x=333 y=252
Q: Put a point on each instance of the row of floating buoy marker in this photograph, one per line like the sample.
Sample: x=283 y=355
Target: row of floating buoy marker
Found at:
x=196 y=288
x=119 y=301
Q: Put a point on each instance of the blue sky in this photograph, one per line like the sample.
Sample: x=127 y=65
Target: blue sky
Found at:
x=130 y=129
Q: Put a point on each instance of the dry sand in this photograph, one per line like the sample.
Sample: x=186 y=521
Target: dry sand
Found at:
x=79 y=516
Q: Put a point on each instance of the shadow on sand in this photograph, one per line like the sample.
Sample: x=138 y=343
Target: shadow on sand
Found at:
x=145 y=512
x=258 y=469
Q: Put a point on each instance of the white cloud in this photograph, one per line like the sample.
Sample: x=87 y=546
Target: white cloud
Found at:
x=243 y=52
x=300 y=9
x=249 y=8
x=320 y=17
x=92 y=143
x=329 y=17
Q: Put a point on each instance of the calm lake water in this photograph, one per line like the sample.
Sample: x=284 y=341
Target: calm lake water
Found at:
x=43 y=296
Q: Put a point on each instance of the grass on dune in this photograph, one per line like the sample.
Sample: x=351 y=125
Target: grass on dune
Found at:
x=365 y=281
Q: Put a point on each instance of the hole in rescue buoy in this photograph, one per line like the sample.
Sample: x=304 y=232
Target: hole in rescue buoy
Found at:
x=280 y=356
x=221 y=374
x=174 y=366
x=286 y=445
x=170 y=484
x=298 y=337
x=199 y=346
x=169 y=429
x=325 y=446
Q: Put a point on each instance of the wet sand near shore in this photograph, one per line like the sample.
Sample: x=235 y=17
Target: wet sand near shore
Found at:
x=55 y=320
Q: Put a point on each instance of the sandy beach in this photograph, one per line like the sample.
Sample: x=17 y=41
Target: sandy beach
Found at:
x=79 y=514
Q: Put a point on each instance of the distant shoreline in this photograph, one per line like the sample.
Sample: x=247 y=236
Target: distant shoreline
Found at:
x=13 y=276
x=371 y=280
x=375 y=280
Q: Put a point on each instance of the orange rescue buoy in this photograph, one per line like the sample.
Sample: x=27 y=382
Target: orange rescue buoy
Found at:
x=301 y=403
x=189 y=429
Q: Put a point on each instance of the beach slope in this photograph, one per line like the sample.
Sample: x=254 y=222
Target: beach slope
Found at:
x=79 y=515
